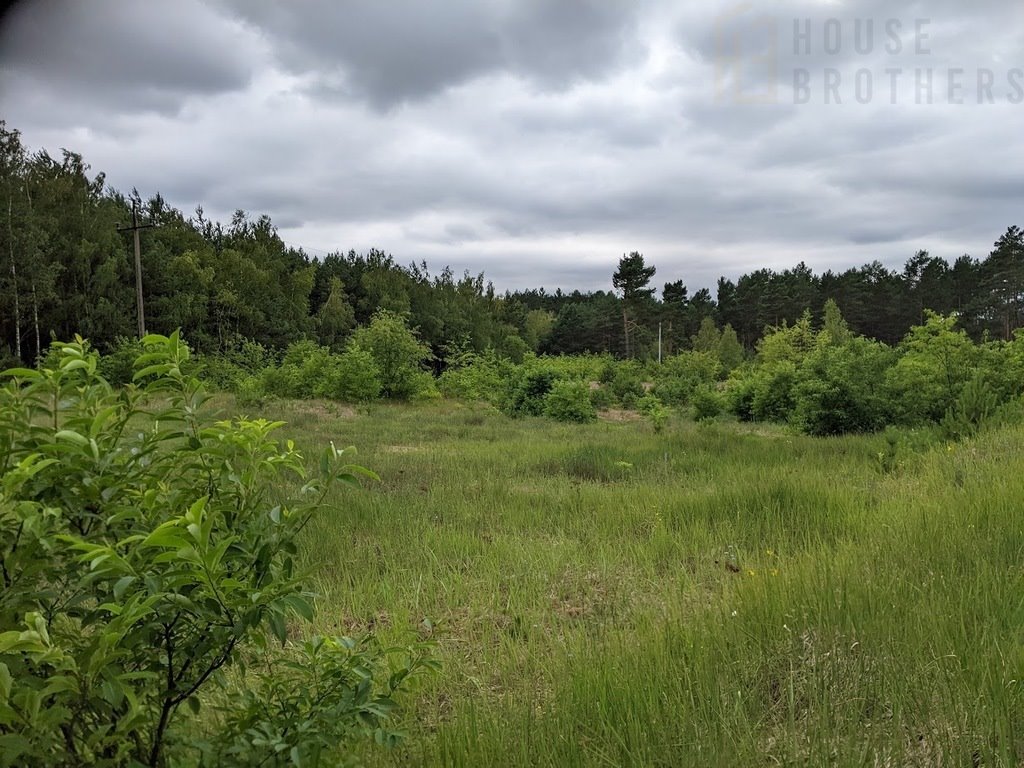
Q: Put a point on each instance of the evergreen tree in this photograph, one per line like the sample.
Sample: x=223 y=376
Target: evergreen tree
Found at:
x=708 y=337
x=834 y=325
x=631 y=279
x=730 y=351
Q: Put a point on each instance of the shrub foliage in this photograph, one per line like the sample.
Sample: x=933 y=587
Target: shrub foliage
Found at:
x=143 y=549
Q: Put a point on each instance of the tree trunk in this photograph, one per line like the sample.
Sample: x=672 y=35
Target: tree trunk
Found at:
x=14 y=279
x=625 y=329
x=35 y=320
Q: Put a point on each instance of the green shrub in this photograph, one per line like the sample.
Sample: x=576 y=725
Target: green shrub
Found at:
x=976 y=404
x=840 y=388
x=117 y=366
x=601 y=397
x=707 y=403
x=936 y=362
x=423 y=387
x=220 y=374
x=739 y=394
x=352 y=377
x=474 y=377
x=569 y=401
x=527 y=391
x=226 y=372
x=655 y=411
x=280 y=381
x=309 y=700
x=681 y=374
x=399 y=354
x=773 y=392
x=250 y=393
x=627 y=384
x=143 y=550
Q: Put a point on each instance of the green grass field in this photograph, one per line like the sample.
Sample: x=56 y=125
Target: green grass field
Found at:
x=710 y=595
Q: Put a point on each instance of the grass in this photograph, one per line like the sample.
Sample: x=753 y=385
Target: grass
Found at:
x=711 y=595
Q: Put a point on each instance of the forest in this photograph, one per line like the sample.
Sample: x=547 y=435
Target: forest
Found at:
x=69 y=270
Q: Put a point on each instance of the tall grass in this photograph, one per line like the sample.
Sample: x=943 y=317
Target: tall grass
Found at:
x=710 y=595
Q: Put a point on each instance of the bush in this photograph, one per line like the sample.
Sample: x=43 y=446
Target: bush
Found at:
x=601 y=397
x=143 y=549
x=655 y=411
x=840 y=388
x=708 y=404
x=773 y=392
x=569 y=401
x=475 y=378
x=423 y=387
x=352 y=377
x=227 y=371
x=976 y=404
x=399 y=354
x=527 y=391
x=739 y=395
x=627 y=384
x=681 y=374
x=310 y=700
x=250 y=393
x=118 y=365
x=937 y=362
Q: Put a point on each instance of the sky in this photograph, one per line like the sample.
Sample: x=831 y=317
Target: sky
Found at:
x=538 y=141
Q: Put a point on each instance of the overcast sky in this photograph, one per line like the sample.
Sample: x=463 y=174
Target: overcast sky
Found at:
x=539 y=140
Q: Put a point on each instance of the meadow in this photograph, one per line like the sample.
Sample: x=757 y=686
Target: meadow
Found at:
x=713 y=594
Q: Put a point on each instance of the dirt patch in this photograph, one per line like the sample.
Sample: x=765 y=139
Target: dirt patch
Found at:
x=402 y=449
x=619 y=415
x=324 y=409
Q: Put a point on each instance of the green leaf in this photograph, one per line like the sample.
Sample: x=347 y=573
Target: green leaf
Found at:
x=166 y=536
x=277 y=626
x=21 y=373
x=150 y=370
x=5 y=683
x=355 y=469
x=59 y=684
x=299 y=604
x=72 y=437
x=101 y=420
x=121 y=586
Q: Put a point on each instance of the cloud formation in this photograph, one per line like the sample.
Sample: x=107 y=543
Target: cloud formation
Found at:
x=539 y=140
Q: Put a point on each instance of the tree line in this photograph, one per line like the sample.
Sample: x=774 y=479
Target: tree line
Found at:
x=69 y=270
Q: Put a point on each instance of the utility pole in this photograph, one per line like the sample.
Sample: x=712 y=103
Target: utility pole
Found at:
x=134 y=229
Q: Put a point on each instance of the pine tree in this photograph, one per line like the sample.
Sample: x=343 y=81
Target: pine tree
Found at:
x=632 y=278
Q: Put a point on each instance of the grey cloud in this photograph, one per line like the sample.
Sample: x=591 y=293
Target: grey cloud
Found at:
x=139 y=53
x=390 y=53
x=868 y=236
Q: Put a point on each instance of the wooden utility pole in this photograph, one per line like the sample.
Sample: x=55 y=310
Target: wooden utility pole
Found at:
x=134 y=229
